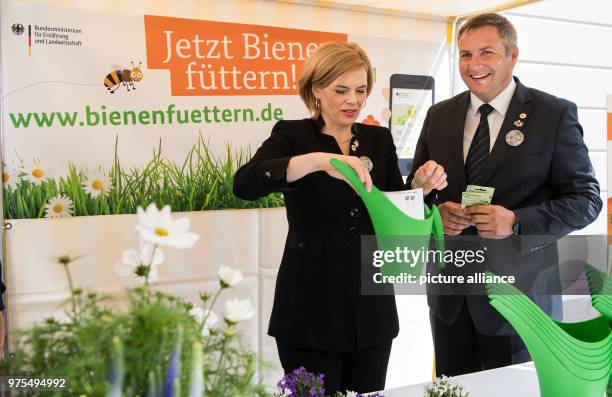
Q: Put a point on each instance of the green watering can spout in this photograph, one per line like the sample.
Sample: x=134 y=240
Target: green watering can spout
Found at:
x=393 y=228
x=600 y=286
x=571 y=359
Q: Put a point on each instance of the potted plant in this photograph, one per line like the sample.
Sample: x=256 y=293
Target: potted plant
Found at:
x=160 y=345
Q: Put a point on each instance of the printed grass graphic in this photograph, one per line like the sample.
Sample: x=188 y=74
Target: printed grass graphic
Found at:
x=200 y=182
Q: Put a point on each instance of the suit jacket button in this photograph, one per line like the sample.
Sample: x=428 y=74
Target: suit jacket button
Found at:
x=268 y=174
x=354 y=212
x=355 y=248
x=301 y=245
x=354 y=230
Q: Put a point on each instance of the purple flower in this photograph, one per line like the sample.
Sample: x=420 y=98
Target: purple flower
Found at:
x=174 y=365
x=301 y=383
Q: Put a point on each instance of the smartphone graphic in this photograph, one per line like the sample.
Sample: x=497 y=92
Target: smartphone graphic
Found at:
x=411 y=96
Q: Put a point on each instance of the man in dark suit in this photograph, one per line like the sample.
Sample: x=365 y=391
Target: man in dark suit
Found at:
x=527 y=145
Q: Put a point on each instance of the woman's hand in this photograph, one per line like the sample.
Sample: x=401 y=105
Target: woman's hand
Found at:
x=353 y=162
x=429 y=176
x=300 y=166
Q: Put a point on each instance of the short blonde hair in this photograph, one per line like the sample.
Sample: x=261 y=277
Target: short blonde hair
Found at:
x=326 y=64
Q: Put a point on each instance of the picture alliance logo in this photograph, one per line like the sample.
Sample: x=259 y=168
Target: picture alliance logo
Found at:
x=17 y=29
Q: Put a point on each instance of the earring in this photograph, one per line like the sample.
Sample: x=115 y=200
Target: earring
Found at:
x=317 y=103
x=364 y=104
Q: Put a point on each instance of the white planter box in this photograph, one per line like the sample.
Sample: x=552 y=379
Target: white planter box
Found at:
x=273 y=233
x=37 y=285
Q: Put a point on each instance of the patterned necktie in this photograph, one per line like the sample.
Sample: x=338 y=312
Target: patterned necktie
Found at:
x=479 y=148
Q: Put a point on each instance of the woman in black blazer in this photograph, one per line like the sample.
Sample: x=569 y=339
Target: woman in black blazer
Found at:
x=320 y=319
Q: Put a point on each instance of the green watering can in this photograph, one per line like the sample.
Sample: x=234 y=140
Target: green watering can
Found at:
x=393 y=228
x=571 y=359
x=600 y=285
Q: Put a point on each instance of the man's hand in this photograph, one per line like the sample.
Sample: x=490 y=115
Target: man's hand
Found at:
x=454 y=218
x=491 y=220
x=429 y=176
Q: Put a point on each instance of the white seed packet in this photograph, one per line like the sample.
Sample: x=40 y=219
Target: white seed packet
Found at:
x=410 y=202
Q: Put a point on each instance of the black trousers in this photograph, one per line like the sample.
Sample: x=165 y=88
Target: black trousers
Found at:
x=360 y=371
x=461 y=349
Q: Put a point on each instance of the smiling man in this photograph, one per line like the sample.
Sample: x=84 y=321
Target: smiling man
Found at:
x=528 y=146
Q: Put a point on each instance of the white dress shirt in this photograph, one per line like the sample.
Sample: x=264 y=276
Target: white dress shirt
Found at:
x=495 y=119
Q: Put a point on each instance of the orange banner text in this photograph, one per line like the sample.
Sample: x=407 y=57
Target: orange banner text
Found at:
x=220 y=58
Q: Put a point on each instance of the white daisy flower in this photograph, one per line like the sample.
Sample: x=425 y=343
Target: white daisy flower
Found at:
x=96 y=184
x=138 y=265
x=237 y=310
x=229 y=277
x=60 y=316
x=200 y=314
x=10 y=177
x=35 y=173
x=59 y=207
x=156 y=226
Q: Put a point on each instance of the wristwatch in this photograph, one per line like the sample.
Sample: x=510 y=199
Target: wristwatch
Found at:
x=516 y=229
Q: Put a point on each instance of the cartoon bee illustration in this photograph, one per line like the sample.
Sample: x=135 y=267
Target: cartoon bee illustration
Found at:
x=120 y=76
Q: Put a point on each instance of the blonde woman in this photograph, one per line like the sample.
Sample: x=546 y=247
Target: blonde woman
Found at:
x=320 y=319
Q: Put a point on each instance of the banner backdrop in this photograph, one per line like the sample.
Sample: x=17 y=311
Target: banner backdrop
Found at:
x=79 y=85
x=103 y=111
x=76 y=80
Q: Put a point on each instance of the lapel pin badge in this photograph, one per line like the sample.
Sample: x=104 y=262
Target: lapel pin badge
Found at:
x=523 y=115
x=514 y=138
x=518 y=123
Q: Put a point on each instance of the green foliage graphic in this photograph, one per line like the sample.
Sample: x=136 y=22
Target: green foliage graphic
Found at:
x=201 y=182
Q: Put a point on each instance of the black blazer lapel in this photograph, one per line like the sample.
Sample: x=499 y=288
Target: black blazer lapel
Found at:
x=520 y=103
x=457 y=125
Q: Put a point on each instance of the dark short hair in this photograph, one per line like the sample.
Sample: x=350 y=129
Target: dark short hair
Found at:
x=502 y=24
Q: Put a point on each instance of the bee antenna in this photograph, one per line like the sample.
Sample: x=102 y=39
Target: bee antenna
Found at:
x=139 y=63
x=132 y=64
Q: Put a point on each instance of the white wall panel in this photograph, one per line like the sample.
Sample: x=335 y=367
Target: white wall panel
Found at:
x=267 y=344
x=594 y=125
x=273 y=228
x=565 y=42
x=586 y=87
x=600 y=164
x=413 y=348
x=593 y=11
